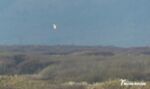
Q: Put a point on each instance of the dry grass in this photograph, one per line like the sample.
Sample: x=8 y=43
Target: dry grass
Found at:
x=22 y=82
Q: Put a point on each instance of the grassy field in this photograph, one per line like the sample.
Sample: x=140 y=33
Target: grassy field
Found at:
x=52 y=67
x=21 y=82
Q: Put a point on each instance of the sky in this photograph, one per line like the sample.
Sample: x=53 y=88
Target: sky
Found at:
x=79 y=22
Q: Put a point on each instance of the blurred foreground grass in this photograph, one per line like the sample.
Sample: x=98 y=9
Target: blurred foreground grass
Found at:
x=23 y=82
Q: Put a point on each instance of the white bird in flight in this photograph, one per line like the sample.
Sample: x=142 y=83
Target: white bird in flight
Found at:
x=54 y=26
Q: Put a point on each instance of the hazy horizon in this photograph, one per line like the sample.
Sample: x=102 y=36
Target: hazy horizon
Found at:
x=121 y=23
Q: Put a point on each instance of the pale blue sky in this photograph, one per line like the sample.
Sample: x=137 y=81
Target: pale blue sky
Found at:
x=80 y=22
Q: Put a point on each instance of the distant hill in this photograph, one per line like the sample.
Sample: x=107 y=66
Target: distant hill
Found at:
x=78 y=63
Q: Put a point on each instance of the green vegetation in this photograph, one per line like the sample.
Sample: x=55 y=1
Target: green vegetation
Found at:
x=48 y=67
